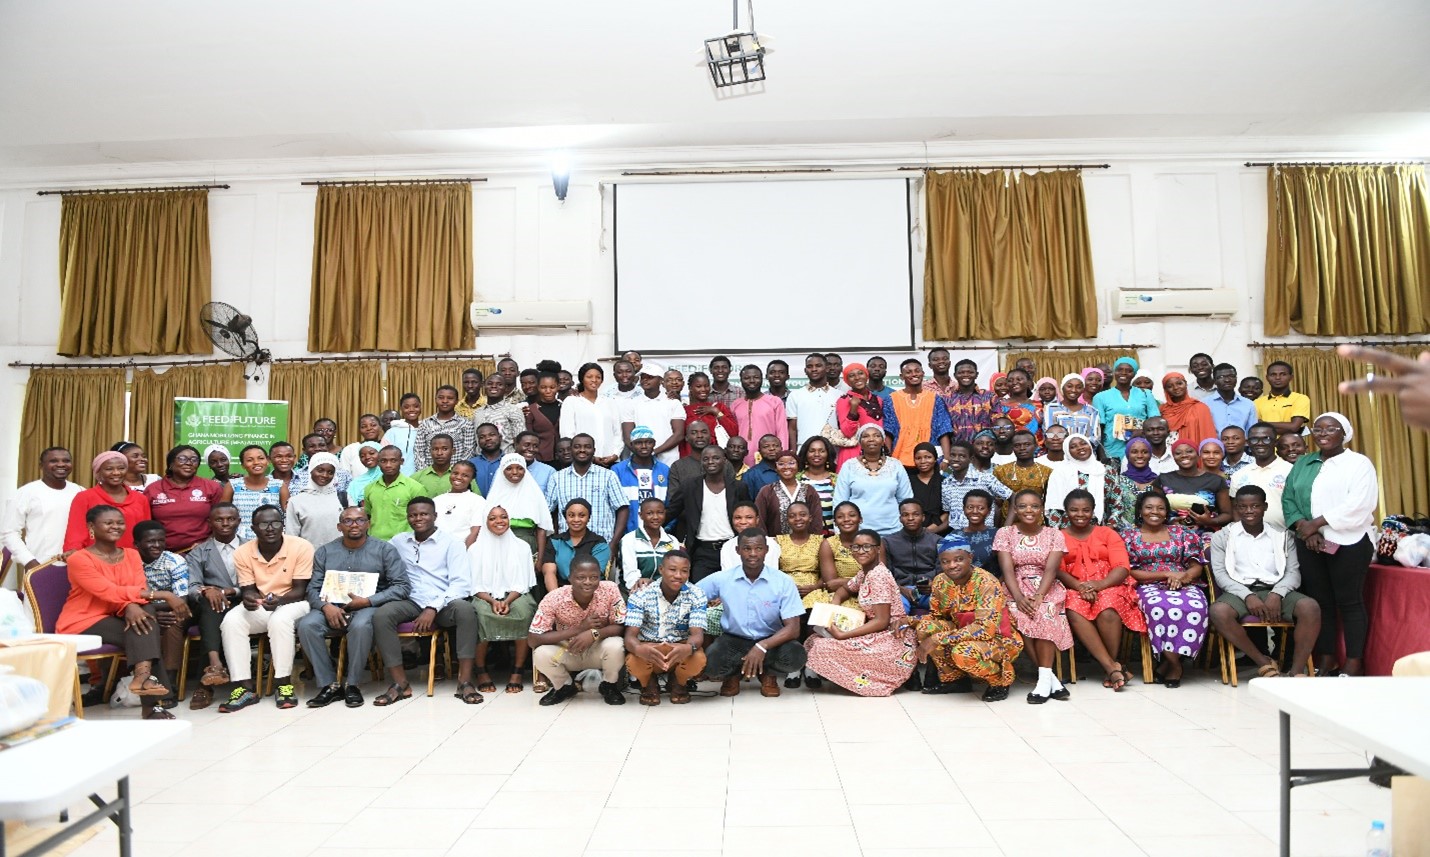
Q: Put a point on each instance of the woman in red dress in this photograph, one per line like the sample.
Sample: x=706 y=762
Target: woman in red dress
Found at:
x=1101 y=600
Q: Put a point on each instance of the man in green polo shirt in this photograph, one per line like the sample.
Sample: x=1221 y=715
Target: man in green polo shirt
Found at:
x=386 y=498
x=436 y=478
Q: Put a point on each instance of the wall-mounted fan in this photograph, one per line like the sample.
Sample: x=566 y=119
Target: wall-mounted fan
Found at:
x=233 y=332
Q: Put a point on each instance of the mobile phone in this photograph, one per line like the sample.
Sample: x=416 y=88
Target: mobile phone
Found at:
x=1199 y=508
x=1329 y=547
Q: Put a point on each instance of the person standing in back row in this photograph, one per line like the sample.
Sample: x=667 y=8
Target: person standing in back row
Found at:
x=759 y=414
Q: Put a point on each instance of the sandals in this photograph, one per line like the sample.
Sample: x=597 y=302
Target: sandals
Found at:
x=394 y=694
x=214 y=675
x=1116 y=680
x=487 y=686
x=1268 y=671
x=148 y=686
x=650 y=694
x=515 y=684
x=541 y=685
x=467 y=692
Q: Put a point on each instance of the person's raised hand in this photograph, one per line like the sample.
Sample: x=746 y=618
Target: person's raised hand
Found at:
x=1410 y=384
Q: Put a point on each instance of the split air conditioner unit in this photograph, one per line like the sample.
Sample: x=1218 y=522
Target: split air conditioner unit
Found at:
x=530 y=315
x=1130 y=303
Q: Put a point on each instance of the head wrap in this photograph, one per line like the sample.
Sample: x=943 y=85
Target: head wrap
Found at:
x=1203 y=445
x=358 y=486
x=216 y=447
x=982 y=432
x=1189 y=417
x=637 y=433
x=104 y=458
x=1169 y=376
x=850 y=367
x=1182 y=441
x=994 y=379
x=1071 y=376
x=1340 y=418
x=522 y=499
x=319 y=459
x=932 y=450
x=501 y=563
x=1090 y=370
x=1068 y=477
x=1141 y=475
x=1046 y=380
x=874 y=426
x=955 y=542
x=1129 y=361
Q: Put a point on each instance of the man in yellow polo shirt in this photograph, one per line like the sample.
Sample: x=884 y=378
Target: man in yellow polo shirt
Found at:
x=1285 y=410
x=386 y=498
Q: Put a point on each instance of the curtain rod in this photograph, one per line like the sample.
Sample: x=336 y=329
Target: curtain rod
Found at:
x=1128 y=346
x=1374 y=343
x=393 y=358
x=727 y=172
x=1335 y=163
x=357 y=182
x=961 y=167
x=127 y=364
x=131 y=189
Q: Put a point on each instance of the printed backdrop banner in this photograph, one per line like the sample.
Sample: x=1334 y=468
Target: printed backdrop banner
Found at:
x=986 y=358
x=230 y=423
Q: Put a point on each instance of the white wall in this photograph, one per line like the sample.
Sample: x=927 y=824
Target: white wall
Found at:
x=1154 y=224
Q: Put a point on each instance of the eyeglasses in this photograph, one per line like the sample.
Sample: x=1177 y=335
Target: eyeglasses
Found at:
x=187 y=459
x=1331 y=430
x=862 y=548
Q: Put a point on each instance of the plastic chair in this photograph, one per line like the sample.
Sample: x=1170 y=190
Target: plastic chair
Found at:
x=47 y=588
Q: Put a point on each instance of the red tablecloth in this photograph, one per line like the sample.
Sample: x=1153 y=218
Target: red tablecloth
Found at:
x=1398 y=600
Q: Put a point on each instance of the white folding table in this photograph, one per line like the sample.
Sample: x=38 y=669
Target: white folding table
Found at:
x=1386 y=716
x=45 y=777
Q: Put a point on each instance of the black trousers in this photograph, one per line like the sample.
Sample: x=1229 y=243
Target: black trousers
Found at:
x=705 y=559
x=137 y=647
x=725 y=654
x=208 y=622
x=1337 y=582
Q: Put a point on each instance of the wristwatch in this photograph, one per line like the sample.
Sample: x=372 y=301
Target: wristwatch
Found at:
x=694 y=648
x=595 y=634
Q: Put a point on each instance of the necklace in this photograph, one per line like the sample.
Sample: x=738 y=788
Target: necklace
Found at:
x=873 y=471
x=1026 y=541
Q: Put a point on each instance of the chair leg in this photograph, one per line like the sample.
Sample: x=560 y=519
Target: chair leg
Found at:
x=1072 y=663
x=1228 y=654
x=78 y=696
x=113 y=677
x=1147 y=673
x=432 y=661
x=342 y=657
x=184 y=666
x=258 y=667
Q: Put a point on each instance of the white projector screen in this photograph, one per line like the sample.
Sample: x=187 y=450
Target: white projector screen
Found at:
x=787 y=266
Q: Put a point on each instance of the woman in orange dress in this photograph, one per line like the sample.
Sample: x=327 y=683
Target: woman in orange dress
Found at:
x=1101 y=599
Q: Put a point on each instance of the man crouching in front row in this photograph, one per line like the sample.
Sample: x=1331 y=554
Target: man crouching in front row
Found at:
x=665 y=627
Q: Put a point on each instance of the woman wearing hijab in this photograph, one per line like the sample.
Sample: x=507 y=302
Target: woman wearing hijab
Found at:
x=1079 y=470
x=313 y=512
x=1137 y=464
x=858 y=407
x=1072 y=413
x=1122 y=408
x=1094 y=381
x=1187 y=416
x=502 y=578
x=1045 y=392
x=109 y=489
x=1330 y=499
x=220 y=464
x=998 y=383
x=516 y=491
x=367 y=454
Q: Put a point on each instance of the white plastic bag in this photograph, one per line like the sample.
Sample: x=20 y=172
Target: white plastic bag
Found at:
x=1413 y=550
x=123 y=697
x=23 y=701
x=15 y=620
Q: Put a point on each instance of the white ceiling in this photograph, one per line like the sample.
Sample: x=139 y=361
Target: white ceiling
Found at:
x=91 y=82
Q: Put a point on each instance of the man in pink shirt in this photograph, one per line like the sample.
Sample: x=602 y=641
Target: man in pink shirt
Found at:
x=758 y=413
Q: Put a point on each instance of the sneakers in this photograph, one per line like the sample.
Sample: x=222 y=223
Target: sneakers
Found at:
x=239 y=697
x=286 y=697
x=612 y=693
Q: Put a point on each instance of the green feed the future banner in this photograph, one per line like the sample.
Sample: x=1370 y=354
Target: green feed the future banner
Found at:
x=231 y=423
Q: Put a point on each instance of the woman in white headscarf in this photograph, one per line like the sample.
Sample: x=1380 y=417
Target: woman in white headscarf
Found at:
x=1330 y=501
x=219 y=461
x=313 y=512
x=502 y=578
x=516 y=491
x=1079 y=469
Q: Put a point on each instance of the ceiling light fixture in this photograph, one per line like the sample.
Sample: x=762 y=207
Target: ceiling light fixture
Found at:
x=736 y=58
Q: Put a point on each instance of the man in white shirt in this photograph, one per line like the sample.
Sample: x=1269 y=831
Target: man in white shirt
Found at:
x=1155 y=430
x=622 y=386
x=33 y=527
x=1257 y=573
x=662 y=415
x=1264 y=470
x=808 y=408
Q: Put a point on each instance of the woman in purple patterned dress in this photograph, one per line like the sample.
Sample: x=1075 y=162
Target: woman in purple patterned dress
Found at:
x=1167 y=563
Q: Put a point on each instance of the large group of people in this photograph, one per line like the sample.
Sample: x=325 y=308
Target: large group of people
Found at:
x=666 y=530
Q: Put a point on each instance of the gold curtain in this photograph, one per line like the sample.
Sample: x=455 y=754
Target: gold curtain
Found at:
x=423 y=377
x=341 y=391
x=392 y=269
x=134 y=271
x=1008 y=257
x=79 y=409
x=151 y=401
x=1400 y=453
x=1347 y=250
x=1059 y=363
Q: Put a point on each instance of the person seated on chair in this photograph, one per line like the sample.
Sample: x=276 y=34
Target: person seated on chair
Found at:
x=165 y=571
x=355 y=551
x=912 y=555
x=213 y=588
x=273 y=572
x=1256 y=570
x=110 y=598
x=440 y=580
x=665 y=628
x=580 y=626
x=759 y=622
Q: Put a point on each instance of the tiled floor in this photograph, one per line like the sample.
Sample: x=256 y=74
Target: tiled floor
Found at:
x=1149 y=771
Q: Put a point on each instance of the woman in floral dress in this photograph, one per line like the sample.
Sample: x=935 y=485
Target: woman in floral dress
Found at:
x=1030 y=553
x=876 y=658
x=1167 y=563
x=968 y=632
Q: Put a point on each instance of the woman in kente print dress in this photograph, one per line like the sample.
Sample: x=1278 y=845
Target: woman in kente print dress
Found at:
x=878 y=656
x=1167 y=563
x=968 y=632
x=1029 y=554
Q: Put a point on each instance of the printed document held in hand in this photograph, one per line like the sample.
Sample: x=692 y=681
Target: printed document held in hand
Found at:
x=821 y=616
x=340 y=586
